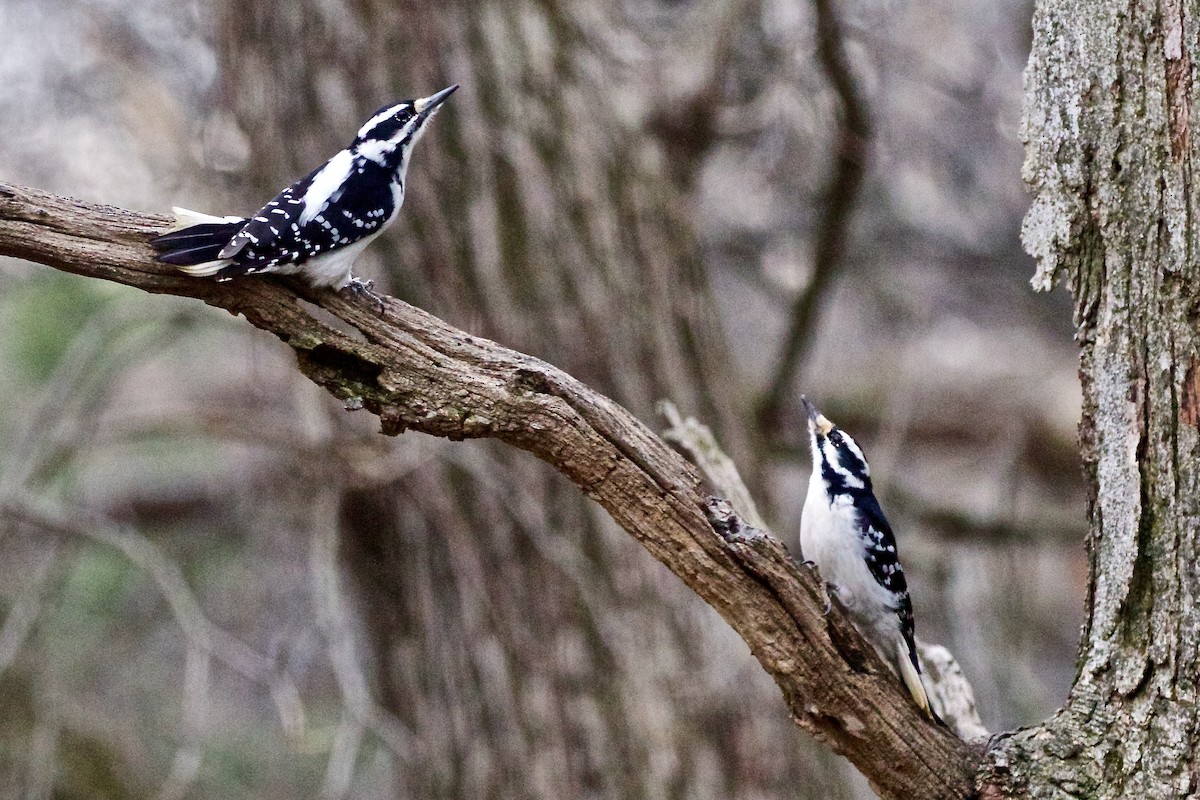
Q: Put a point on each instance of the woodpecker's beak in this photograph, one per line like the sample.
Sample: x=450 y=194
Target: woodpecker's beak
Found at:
x=816 y=419
x=428 y=105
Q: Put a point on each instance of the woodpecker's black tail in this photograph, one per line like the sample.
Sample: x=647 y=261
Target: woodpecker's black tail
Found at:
x=196 y=242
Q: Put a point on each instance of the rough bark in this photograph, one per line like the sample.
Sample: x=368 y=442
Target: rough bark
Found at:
x=1110 y=107
x=416 y=372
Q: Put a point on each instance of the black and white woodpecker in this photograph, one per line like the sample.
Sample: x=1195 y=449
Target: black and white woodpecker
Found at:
x=316 y=227
x=843 y=530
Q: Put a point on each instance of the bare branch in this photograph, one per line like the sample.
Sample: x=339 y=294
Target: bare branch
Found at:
x=699 y=444
x=189 y=756
x=416 y=372
x=333 y=619
x=200 y=633
x=840 y=197
x=950 y=693
x=25 y=609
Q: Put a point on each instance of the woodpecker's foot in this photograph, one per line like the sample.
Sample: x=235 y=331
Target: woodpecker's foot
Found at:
x=826 y=587
x=360 y=288
x=829 y=590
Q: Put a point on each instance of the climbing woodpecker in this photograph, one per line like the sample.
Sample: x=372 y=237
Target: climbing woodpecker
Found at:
x=316 y=227
x=844 y=532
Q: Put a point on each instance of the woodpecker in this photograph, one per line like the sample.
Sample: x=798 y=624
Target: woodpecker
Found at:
x=316 y=227
x=843 y=530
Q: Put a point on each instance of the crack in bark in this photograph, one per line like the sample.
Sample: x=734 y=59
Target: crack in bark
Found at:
x=1179 y=77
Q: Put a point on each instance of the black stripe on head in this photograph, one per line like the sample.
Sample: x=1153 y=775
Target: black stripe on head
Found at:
x=386 y=122
x=843 y=467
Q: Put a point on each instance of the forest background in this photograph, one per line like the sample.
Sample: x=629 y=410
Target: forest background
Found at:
x=634 y=191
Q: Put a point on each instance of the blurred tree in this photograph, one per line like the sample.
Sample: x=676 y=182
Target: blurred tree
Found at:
x=531 y=649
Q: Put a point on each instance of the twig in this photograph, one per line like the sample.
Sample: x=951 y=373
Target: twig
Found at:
x=337 y=628
x=699 y=444
x=852 y=151
x=200 y=632
x=24 y=610
x=189 y=757
x=416 y=372
x=339 y=772
x=56 y=422
x=948 y=524
x=43 y=746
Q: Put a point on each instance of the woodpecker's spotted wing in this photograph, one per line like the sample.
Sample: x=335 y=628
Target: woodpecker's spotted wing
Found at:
x=884 y=563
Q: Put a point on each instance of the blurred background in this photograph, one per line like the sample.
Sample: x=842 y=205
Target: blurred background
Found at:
x=217 y=582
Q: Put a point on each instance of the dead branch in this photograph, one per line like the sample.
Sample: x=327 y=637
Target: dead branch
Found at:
x=700 y=446
x=416 y=372
x=840 y=196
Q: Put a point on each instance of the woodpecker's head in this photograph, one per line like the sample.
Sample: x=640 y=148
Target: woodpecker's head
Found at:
x=837 y=458
x=388 y=136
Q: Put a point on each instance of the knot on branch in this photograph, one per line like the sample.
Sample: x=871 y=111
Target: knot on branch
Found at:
x=525 y=380
x=728 y=525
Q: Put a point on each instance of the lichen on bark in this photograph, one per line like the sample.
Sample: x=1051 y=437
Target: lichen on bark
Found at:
x=1109 y=160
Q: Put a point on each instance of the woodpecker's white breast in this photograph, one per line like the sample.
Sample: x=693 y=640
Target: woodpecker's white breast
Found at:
x=329 y=269
x=829 y=536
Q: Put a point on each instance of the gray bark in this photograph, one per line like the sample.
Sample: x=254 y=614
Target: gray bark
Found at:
x=1110 y=156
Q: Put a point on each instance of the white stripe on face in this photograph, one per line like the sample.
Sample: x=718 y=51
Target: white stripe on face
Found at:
x=830 y=454
x=376 y=149
x=378 y=118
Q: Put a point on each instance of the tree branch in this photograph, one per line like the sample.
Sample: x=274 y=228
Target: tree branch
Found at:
x=840 y=197
x=700 y=446
x=416 y=372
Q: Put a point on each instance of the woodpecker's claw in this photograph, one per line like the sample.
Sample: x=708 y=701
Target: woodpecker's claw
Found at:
x=826 y=587
x=361 y=288
x=829 y=589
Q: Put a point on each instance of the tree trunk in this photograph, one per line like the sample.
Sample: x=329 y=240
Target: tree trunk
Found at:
x=533 y=650
x=1111 y=93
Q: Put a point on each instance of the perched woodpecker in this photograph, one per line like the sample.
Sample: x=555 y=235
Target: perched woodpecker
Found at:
x=844 y=532
x=317 y=226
